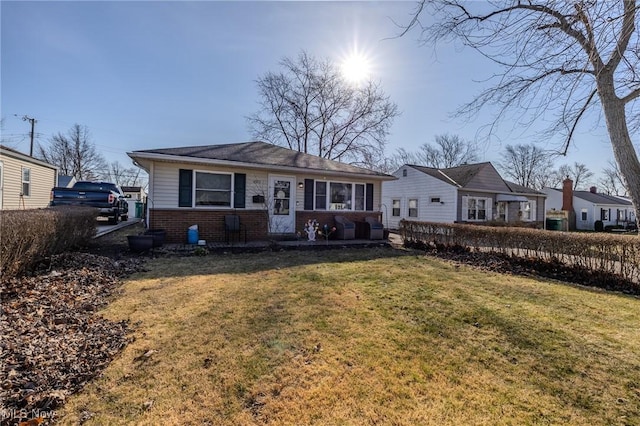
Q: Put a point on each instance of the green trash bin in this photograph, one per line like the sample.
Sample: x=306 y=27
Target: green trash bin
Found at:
x=554 y=224
x=139 y=207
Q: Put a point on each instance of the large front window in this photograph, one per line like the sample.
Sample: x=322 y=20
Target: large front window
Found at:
x=525 y=210
x=213 y=189
x=343 y=196
x=477 y=208
x=340 y=196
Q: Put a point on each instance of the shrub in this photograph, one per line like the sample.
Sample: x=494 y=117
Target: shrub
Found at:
x=602 y=253
x=29 y=236
x=598 y=226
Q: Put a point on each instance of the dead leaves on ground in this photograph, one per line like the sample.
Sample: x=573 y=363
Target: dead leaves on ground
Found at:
x=51 y=340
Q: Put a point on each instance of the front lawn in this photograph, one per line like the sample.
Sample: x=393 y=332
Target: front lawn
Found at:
x=363 y=337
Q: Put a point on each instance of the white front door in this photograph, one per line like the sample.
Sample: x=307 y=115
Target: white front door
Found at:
x=282 y=205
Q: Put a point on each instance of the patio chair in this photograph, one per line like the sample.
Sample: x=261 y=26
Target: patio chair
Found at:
x=345 y=229
x=233 y=227
x=376 y=229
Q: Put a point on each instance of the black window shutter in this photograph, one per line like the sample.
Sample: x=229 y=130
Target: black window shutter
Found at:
x=369 y=197
x=185 y=183
x=239 y=185
x=308 y=194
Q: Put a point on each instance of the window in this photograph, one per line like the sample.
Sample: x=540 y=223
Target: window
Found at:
x=213 y=189
x=525 y=210
x=622 y=215
x=404 y=172
x=359 y=201
x=583 y=215
x=321 y=195
x=476 y=208
x=413 y=207
x=604 y=214
x=395 y=210
x=340 y=198
x=435 y=199
x=26 y=182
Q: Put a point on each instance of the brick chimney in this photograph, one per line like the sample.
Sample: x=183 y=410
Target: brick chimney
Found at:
x=567 y=195
x=593 y=189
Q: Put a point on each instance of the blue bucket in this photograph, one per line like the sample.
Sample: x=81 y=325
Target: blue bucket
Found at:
x=192 y=236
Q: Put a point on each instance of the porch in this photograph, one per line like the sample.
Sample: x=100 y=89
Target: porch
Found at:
x=394 y=240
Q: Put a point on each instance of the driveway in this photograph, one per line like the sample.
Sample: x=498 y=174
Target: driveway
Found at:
x=104 y=227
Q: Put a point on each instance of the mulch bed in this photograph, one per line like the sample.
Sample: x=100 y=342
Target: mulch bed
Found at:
x=52 y=341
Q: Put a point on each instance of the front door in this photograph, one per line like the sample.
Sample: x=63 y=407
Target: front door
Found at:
x=503 y=209
x=282 y=219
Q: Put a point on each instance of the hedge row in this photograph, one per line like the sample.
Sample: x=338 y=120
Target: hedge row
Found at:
x=29 y=236
x=608 y=253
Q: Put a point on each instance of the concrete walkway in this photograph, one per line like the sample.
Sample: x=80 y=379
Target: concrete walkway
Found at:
x=103 y=228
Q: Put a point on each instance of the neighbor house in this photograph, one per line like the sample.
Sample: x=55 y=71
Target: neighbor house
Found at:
x=590 y=206
x=273 y=190
x=134 y=193
x=25 y=182
x=471 y=193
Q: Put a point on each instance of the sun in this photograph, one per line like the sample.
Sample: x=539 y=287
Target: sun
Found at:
x=356 y=68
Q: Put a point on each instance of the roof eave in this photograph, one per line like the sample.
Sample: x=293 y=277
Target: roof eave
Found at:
x=143 y=158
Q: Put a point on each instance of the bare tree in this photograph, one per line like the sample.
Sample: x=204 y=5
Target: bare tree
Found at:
x=74 y=154
x=445 y=151
x=311 y=108
x=526 y=165
x=562 y=59
x=611 y=182
x=579 y=173
x=123 y=176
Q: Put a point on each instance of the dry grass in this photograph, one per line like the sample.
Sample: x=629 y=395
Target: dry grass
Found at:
x=357 y=337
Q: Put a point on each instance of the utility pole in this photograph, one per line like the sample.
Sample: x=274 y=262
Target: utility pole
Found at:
x=33 y=124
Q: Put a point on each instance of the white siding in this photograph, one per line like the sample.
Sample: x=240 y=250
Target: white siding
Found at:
x=164 y=191
x=164 y=184
x=554 y=199
x=422 y=187
x=43 y=179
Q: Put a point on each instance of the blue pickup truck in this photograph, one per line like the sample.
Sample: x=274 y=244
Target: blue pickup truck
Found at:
x=107 y=197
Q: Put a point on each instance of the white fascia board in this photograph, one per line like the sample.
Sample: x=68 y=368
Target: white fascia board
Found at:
x=242 y=165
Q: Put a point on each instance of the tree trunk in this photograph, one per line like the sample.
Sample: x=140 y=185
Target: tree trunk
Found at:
x=623 y=150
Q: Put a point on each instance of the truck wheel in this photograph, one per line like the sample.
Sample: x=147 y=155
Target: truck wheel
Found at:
x=124 y=218
x=114 y=219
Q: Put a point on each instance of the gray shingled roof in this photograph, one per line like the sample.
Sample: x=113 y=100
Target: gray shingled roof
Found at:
x=264 y=154
x=462 y=175
x=596 y=198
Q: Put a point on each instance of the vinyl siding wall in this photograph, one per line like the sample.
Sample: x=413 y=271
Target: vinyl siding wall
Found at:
x=43 y=179
x=422 y=187
x=164 y=191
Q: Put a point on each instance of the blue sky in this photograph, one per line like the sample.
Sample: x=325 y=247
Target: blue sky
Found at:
x=152 y=74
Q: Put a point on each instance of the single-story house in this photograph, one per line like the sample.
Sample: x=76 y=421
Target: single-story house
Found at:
x=590 y=206
x=25 y=182
x=470 y=193
x=273 y=190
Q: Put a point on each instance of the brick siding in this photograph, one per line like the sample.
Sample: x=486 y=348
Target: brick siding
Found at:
x=211 y=222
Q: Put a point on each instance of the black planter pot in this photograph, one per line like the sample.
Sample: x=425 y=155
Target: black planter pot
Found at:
x=140 y=243
x=158 y=236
